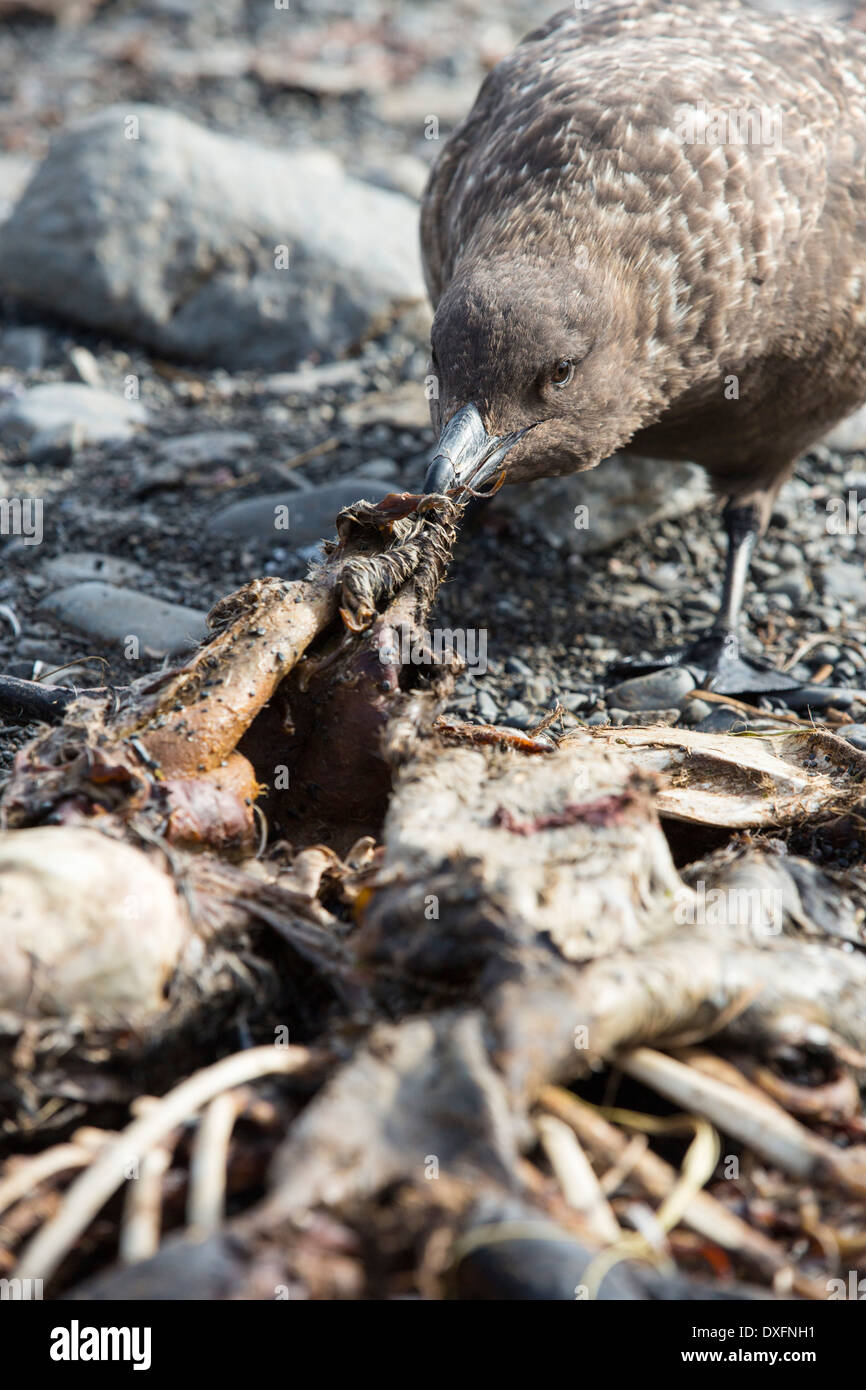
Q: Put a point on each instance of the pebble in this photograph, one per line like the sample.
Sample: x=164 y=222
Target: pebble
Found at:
x=819 y=697
x=311 y=513
x=844 y=581
x=205 y=446
x=517 y=714
x=85 y=366
x=67 y=412
x=403 y=173
x=515 y=666
x=23 y=348
x=695 y=710
x=113 y=614
x=664 y=577
x=795 y=587
x=658 y=690
x=381 y=468
x=573 y=700
x=779 y=603
x=487 y=707
x=701 y=603
x=789 y=555
x=645 y=718
x=78 y=565
x=827 y=653
x=309 y=381
x=538 y=690
x=720 y=720
x=855 y=734
x=16 y=170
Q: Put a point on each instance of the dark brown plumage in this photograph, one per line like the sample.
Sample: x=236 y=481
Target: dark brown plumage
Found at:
x=650 y=233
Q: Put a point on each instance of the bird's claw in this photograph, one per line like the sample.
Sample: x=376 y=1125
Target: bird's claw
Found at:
x=715 y=662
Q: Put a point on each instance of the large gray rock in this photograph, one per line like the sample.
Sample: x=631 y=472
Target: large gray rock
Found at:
x=15 y=171
x=589 y=512
x=117 y=615
x=297 y=519
x=174 y=238
x=68 y=412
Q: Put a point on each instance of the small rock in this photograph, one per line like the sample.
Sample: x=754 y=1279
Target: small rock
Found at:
x=598 y=718
x=463 y=703
x=311 y=514
x=113 y=614
x=645 y=718
x=827 y=654
x=309 y=381
x=855 y=734
x=79 y=565
x=844 y=581
x=23 y=348
x=538 y=690
x=779 y=603
x=206 y=446
x=789 y=555
x=516 y=667
x=764 y=569
x=664 y=577
x=85 y=366
x=573 y=700
x=701 y=603
x=620 y=716
x=720 y=720
x=411 y=103
x=658 y=690
x=63 y=412
x=695 y=710
x=16 y=170
x=517 y=715
x=818 y=697
x=795 y=587
x=403 y=407
x=381 y=468
x=487 y=707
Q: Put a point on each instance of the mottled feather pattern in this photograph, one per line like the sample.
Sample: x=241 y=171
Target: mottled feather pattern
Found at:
x=728 y=258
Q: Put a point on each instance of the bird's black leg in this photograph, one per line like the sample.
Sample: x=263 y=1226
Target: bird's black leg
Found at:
x=715 y=658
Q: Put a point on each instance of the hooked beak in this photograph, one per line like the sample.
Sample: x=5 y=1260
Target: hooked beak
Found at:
x=466 y=455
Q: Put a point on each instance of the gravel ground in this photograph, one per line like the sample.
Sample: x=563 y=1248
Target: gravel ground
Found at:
x=553 y=621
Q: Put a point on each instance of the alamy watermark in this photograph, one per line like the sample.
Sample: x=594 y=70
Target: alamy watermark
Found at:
x=20 y=1290
x=22 y=516
x=761 y=909
x=704 y=124
x=408 y=647
x=846 y=516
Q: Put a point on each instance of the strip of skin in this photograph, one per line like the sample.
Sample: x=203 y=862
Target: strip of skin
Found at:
x=215 y=808
x=193 y=723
